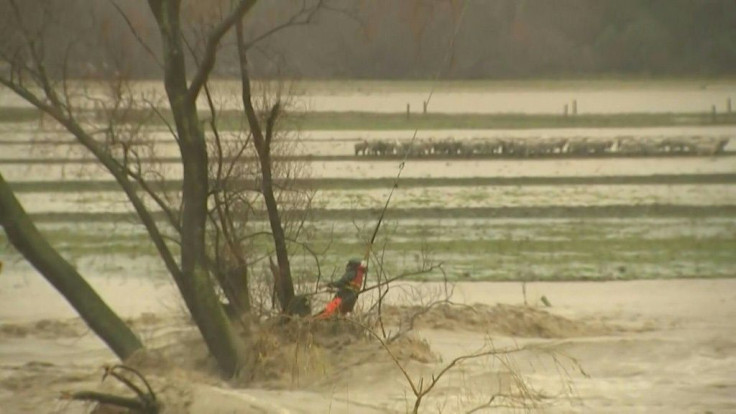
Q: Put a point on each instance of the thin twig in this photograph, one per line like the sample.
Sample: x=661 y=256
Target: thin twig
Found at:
x=136 y=34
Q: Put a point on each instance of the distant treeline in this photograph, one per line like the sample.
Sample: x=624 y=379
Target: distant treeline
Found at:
x=410 y=39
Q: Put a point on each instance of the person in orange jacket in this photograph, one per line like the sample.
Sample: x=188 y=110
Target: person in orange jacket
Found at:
x=348 y=287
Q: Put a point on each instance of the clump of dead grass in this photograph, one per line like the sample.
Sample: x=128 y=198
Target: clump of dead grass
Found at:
x=302 y=352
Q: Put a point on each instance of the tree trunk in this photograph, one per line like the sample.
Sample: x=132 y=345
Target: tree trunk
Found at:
x=285 y=284
x=26 y=238
x=197 y=289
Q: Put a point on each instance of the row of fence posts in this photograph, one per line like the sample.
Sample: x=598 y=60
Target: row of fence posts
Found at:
x=408 y=109
x=574 y=107
x=714 y=110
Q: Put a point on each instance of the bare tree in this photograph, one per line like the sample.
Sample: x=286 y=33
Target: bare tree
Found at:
x=29 y=78
x=237 y=198
x=109 y=128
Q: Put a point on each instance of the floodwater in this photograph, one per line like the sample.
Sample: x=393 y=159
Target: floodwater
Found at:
x=658 y=346
x=526 y=168
x=449 y=97
x=533 y=102
x=426 y=168
x=674 y=351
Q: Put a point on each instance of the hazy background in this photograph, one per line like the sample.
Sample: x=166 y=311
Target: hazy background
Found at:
x=409 y=39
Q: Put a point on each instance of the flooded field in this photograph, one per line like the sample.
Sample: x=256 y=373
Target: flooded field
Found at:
x=534 y=248
x=561 y=220
x=176 y=214
x=468 y=97
x=367 y=169
x=592 y=223
x=606 y=101
x=27 y=142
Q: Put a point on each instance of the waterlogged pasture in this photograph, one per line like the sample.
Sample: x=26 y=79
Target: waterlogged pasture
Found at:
x=482 y=249
x=457 y=97
x=570 y=230
x=530 y=196
x=435 y=197
x=18 y=172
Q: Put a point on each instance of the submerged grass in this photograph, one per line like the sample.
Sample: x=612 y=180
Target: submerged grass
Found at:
x=532 y=249
x=530 y=213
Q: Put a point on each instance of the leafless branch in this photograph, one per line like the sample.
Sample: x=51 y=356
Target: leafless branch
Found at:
x=35 y=49
x=136 y=34
x=419 y=387
x=404 y=275
x=112 y=165
x=304 y=16
x=160 y=202
x=210 y=53
x=487 y=404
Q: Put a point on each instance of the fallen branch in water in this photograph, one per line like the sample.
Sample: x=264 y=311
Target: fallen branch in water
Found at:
x=144 y=402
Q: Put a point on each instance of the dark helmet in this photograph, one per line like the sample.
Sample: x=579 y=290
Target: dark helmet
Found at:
x=353 y=263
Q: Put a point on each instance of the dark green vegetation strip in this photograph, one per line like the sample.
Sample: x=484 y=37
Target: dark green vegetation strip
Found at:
x=233 y=120
x=12 y=114
x=622 y=211
x=347 y=183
